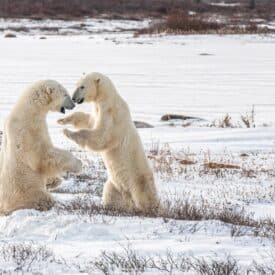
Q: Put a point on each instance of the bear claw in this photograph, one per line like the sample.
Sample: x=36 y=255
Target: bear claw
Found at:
x=61 y=121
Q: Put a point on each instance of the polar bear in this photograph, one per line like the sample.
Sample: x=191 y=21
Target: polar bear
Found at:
x=29 y=162
x=110 y=131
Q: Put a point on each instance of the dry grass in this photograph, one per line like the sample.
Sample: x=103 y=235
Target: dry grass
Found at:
x=249 y=119
x=131 y=262
x=169 y=164
x=183 y=210
x=31 y=259
x=165 y=163
x=90 y=180
x=263 y=269
x=181 y=22
x=176 y=210
x=243 y=178
x=24 y=256
x=225 y=122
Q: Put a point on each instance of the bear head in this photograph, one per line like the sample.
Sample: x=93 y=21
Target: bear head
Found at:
x=51 y=95
x=87 y=88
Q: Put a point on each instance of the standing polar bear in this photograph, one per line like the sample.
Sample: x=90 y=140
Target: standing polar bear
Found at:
x=130 y=184
x=28 y=158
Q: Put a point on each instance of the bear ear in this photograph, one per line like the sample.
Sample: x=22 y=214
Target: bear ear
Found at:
x=42 y=96
x=49 y=90
x=48 y=95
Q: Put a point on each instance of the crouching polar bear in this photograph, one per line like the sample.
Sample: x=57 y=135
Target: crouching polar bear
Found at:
x=130 y=184
x=28 y=158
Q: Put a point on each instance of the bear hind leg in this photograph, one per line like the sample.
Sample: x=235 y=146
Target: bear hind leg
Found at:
x=145 y=196
x=114 y=199
x=43 y=201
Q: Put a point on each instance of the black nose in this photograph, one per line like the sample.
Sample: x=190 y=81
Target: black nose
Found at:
x=62 y=110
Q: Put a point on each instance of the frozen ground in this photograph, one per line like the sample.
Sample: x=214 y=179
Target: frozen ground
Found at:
x=202 y=76
x=76 y=27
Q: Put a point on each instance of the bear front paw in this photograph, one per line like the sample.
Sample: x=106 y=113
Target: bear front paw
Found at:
x=62 y=121
x=44 y=204
x=68 y=133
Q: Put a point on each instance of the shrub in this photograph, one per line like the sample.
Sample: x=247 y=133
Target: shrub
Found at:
x=25 y=256
x=130 y=261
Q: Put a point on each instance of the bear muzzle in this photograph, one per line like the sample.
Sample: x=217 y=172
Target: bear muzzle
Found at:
x=77 y=97
x=67 y=104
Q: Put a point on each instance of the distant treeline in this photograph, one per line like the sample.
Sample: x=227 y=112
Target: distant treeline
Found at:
x=79 y=8
x=27 y=8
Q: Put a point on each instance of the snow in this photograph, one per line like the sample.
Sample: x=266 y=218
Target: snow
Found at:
x=76 y=27
x=204 y=76
x=223 y=4
x=174 y=77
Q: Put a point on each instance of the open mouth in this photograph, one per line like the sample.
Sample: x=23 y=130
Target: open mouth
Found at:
x=81 y=100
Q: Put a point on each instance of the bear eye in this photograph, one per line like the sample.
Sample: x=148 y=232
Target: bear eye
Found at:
x=82 y=87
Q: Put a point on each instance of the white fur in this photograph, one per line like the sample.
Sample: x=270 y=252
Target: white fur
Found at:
x=111 y=132
x=28 y=158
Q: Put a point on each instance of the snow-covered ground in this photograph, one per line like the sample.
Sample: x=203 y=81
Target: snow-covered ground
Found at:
x=62 y=27
x=202 y=76
x=223 y=4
